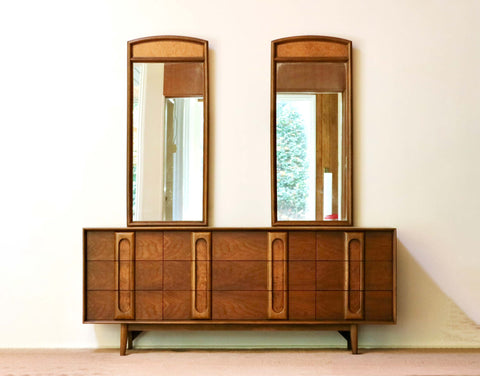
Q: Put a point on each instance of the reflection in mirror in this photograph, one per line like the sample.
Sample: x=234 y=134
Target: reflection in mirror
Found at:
x=311 y=152
x=167 y=143
x=309 y=156
x=167 y=165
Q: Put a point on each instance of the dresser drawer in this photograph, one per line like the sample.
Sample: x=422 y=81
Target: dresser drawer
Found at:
x=239 y=305
x=239 y=245
x=239 y=275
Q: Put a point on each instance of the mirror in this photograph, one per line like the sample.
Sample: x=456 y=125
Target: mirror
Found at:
x=167 y=131
x=311 y=131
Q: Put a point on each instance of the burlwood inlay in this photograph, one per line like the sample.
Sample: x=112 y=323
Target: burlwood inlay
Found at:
x=168 y=48
x=201 y=275
x=312 y=49
x=124 y=275
x=354 y=275
x=277 y=275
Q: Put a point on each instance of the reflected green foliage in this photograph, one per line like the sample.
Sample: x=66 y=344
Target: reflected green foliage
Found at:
x=292 y=164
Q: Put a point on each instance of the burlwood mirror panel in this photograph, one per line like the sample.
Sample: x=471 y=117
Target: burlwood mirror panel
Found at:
x=311 y=127
x=167 y=131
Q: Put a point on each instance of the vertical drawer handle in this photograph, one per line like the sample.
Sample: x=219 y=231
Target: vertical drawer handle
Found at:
x=277 y=275
x=354 y=276
x=124 y=276
x=201 y=275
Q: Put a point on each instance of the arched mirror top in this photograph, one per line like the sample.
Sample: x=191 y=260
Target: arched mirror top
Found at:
x=311 y=47
x=311 y=122
x=168 y=47
x=167 y=124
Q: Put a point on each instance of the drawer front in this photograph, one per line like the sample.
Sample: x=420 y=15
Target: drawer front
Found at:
x=149 y=245
x=301 y=275
x=329 y=276
x=100 y=305
x=100 y=275
x=379 y=245
x=239 y=305
x=109 y=275
x=239 y=275
x=148 y=305
x=148 y=275
x=100 y=245
x=177 y=305
x=239 y=245
x=302 y=245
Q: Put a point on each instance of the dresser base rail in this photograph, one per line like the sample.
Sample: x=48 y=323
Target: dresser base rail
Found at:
x=129 y=332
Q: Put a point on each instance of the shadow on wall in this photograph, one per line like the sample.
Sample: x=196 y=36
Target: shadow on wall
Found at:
x=426 y=317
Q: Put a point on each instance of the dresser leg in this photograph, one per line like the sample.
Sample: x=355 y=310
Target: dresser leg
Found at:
x=123 y=338
x=354 y=338
x=129 y=340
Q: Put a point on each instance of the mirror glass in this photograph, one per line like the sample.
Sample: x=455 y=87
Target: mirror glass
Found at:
x=167 y=143
x=311 y=138
x=167 y=131
x=309 y=156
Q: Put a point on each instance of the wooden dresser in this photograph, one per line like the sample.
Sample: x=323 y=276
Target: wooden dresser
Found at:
x=323 y=278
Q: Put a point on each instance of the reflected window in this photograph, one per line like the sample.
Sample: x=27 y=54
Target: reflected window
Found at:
x=296 y=157
x=167 y=150
x=309 y=156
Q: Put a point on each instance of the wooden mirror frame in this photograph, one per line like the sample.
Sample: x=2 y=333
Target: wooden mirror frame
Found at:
x=314 y=49
x=163 y=49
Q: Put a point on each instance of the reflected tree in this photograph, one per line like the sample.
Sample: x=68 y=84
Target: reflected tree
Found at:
x=292 y=163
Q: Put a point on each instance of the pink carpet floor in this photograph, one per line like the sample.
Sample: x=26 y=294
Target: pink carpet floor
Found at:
x=231 y=363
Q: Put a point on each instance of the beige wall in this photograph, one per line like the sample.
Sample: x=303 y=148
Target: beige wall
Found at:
x=416 y=129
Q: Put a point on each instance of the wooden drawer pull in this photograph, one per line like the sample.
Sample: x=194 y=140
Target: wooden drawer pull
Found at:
x=201 y=275
x=354 y=275
x=277 y=275
x=124 y=275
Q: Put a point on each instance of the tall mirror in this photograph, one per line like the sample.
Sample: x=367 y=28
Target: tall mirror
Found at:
x=311 y=131
x=167 y=131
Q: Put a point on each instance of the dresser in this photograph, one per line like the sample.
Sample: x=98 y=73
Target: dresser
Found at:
x=204 y=277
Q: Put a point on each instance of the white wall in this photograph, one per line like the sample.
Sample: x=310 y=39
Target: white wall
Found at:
x=63 y=122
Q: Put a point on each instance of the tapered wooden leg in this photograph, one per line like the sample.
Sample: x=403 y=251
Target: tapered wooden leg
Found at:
x=123 y=338
x=129 y=340
x=354 y=338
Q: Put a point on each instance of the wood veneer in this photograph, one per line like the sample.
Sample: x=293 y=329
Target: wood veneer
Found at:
x=320 y=65
x=269 y=276
x=186 y=62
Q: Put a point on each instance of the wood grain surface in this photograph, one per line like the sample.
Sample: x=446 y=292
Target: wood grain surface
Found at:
x=379 y=275
x=177 y=305
x=177 y=275
x=201 y=274
x=100 y=275
x=183 y=80
x=330 y=245
x=239 y=275
x=379 y=305
x=301 y=245
x=149 y=245
x=100 y=245
x=301 y=275
x=239 y=245
x=301 y=305
x=100 y=305
x=167 y=48
x=330 y=305
x=310 y=48
x=148 y=305
x=239 y=305
x=177 y=245
x=379 y=245
x=148 y=275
